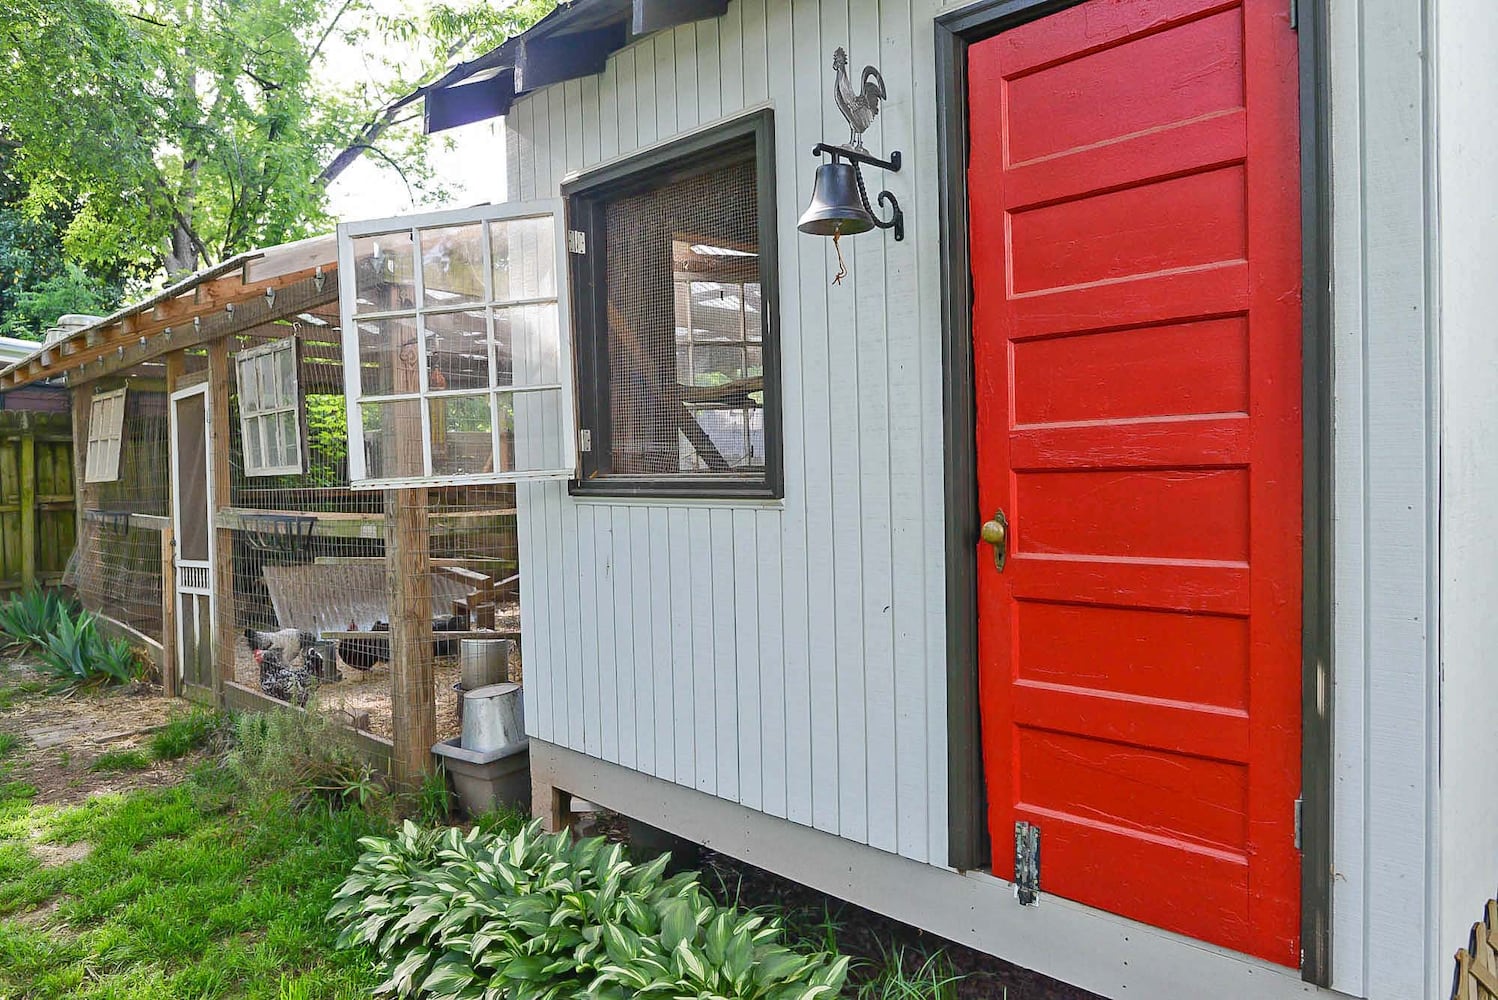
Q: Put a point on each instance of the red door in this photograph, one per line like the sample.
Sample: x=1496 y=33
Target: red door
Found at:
x=1136 y=270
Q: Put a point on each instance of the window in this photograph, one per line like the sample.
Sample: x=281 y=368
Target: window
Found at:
x=106 y=421
x=269 y=404
x=455 y=367
x=674 y=269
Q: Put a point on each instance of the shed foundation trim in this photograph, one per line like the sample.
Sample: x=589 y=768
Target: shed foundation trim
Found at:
x=1097 y=951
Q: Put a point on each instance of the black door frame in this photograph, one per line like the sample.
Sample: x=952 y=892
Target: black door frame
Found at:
x=968 y=846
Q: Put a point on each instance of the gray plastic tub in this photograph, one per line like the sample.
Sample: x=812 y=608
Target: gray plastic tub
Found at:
x=487 y=780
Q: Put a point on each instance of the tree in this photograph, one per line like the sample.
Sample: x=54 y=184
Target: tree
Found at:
x=172 y=134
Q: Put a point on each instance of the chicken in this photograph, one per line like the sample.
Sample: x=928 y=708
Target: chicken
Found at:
x=281 y=680
x=289 y=642
x=363 y=654
x=861 y=107
x=448 y=623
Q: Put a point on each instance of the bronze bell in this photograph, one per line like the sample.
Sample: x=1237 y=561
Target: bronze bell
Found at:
x=836 y=206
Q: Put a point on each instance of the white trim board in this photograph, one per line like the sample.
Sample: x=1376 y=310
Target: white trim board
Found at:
x=1097 y=951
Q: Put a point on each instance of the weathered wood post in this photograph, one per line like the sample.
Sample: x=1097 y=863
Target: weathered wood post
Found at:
x=174 y=364
x=223 y=537
x=28 y=501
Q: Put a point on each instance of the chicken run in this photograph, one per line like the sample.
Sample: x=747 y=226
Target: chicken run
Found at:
x=218 y=528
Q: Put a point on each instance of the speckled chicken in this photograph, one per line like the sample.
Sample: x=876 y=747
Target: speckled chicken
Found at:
x=860 y=106
x=281 y=680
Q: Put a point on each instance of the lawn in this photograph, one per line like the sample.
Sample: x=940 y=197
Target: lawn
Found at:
x=177 y=890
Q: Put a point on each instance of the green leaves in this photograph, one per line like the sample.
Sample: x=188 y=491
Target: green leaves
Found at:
x=535 y=917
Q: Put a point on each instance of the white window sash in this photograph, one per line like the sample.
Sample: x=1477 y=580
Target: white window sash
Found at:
x=263 y=421
x=565 y=464
x=106 y=425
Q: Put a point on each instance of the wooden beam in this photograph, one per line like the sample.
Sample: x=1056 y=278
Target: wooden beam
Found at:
x=413 y=706
x=450 y=107
x=88 y=493
x=223 y=539
x=659 y=15
x=540 y=62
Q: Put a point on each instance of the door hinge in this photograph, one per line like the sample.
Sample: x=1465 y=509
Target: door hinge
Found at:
x=1027 y=863
x=577 y=242
x=584 y=440
x=1294 y=15
x=1299 y=812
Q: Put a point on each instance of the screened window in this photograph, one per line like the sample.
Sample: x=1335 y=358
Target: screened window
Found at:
x=106 y=422
x=269 y=407
x=455 y=368
x=673 y=260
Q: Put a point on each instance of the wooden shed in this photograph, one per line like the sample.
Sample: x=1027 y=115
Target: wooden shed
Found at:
x=1115 y=541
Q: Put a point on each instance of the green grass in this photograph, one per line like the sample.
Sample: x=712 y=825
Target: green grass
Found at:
x=187 y=893
x=12 y=693
x=120 y=760
x=8 y=743
x=184 y=734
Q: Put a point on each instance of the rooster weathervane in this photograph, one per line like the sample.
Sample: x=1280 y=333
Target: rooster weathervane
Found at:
x=839 y=201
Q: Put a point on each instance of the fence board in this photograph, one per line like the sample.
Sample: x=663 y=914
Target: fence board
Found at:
x=37 y=521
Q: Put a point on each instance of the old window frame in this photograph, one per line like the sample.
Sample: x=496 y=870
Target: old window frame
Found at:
x=106 y=430
x=588 y=197
x=257 y=419
x=565 y=465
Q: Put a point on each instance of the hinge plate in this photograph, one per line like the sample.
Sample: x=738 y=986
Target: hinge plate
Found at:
x=577 y=242
x=585 y=440
x=1299 y=812
x=1294 y=15
x=1027 y=863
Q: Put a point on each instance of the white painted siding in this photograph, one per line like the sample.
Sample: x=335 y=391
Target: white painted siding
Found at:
x=1467 y=156
x=1385 y=469
x=786 y=656
x=790 y=656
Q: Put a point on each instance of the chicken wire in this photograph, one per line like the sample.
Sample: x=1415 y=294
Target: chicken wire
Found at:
x=115 y=569
x=310 y=552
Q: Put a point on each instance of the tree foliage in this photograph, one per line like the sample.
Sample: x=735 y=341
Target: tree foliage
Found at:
x=162 y=136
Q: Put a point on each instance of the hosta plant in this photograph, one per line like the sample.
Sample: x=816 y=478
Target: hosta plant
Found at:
x=478 y=916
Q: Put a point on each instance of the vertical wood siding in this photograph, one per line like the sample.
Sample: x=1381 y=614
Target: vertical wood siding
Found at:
x=786 y=656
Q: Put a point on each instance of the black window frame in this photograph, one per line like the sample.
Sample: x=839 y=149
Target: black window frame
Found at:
x=587 y=198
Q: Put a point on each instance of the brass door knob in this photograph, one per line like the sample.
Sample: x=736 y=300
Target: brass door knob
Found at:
x=996 y=533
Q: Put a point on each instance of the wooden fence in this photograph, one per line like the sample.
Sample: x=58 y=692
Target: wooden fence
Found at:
x=37 y=520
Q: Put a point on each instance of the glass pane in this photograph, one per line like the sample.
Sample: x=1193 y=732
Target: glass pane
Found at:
x=717 y=311
x=392 y=439
x=384 y=276
x=753 y=318
x=452 y=265
x=254 y=455
x=388 y=359
x=291 y=446
x=462 y=442
x=286 y=374
x=249 y=391
x=524 y=255
x=712 y=366
x=530 y=431
x=527 y=348
x=457 y=351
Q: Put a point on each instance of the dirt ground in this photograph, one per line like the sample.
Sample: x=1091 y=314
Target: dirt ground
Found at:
x=368 y=691
x=69 y=732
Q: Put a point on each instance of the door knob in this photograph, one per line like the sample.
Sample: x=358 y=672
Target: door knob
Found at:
x=996 y=533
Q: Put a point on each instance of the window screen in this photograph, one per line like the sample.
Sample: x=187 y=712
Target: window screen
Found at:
x=106 y=421
x=681 y=313
x=269 y=409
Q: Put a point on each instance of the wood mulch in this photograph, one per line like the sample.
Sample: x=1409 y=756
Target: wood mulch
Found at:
x=66 y=733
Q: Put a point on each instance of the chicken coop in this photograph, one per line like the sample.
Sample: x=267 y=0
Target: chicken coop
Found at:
x=217 y=525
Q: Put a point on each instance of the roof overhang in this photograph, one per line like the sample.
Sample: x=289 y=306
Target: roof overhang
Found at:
x=145 y=328
x=573 y=41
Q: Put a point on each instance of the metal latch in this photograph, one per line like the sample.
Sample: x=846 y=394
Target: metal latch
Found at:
x=577 y=241
x=1027 y=863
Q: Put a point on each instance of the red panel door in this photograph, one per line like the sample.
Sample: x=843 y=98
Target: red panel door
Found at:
x=1136 y=265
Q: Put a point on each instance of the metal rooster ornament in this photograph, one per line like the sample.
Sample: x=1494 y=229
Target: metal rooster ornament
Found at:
x=860 y=106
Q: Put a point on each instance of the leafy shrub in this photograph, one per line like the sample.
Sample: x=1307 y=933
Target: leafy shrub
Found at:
x=536 y=917
x=32 y=615
x=79 y=655
x=302 y=755
x=183 y=734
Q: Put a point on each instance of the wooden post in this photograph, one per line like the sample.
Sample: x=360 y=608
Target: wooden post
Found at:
x=413 y=701
x=174 y=365
x=28 y=502
x=223 y=538
x=87 y=493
